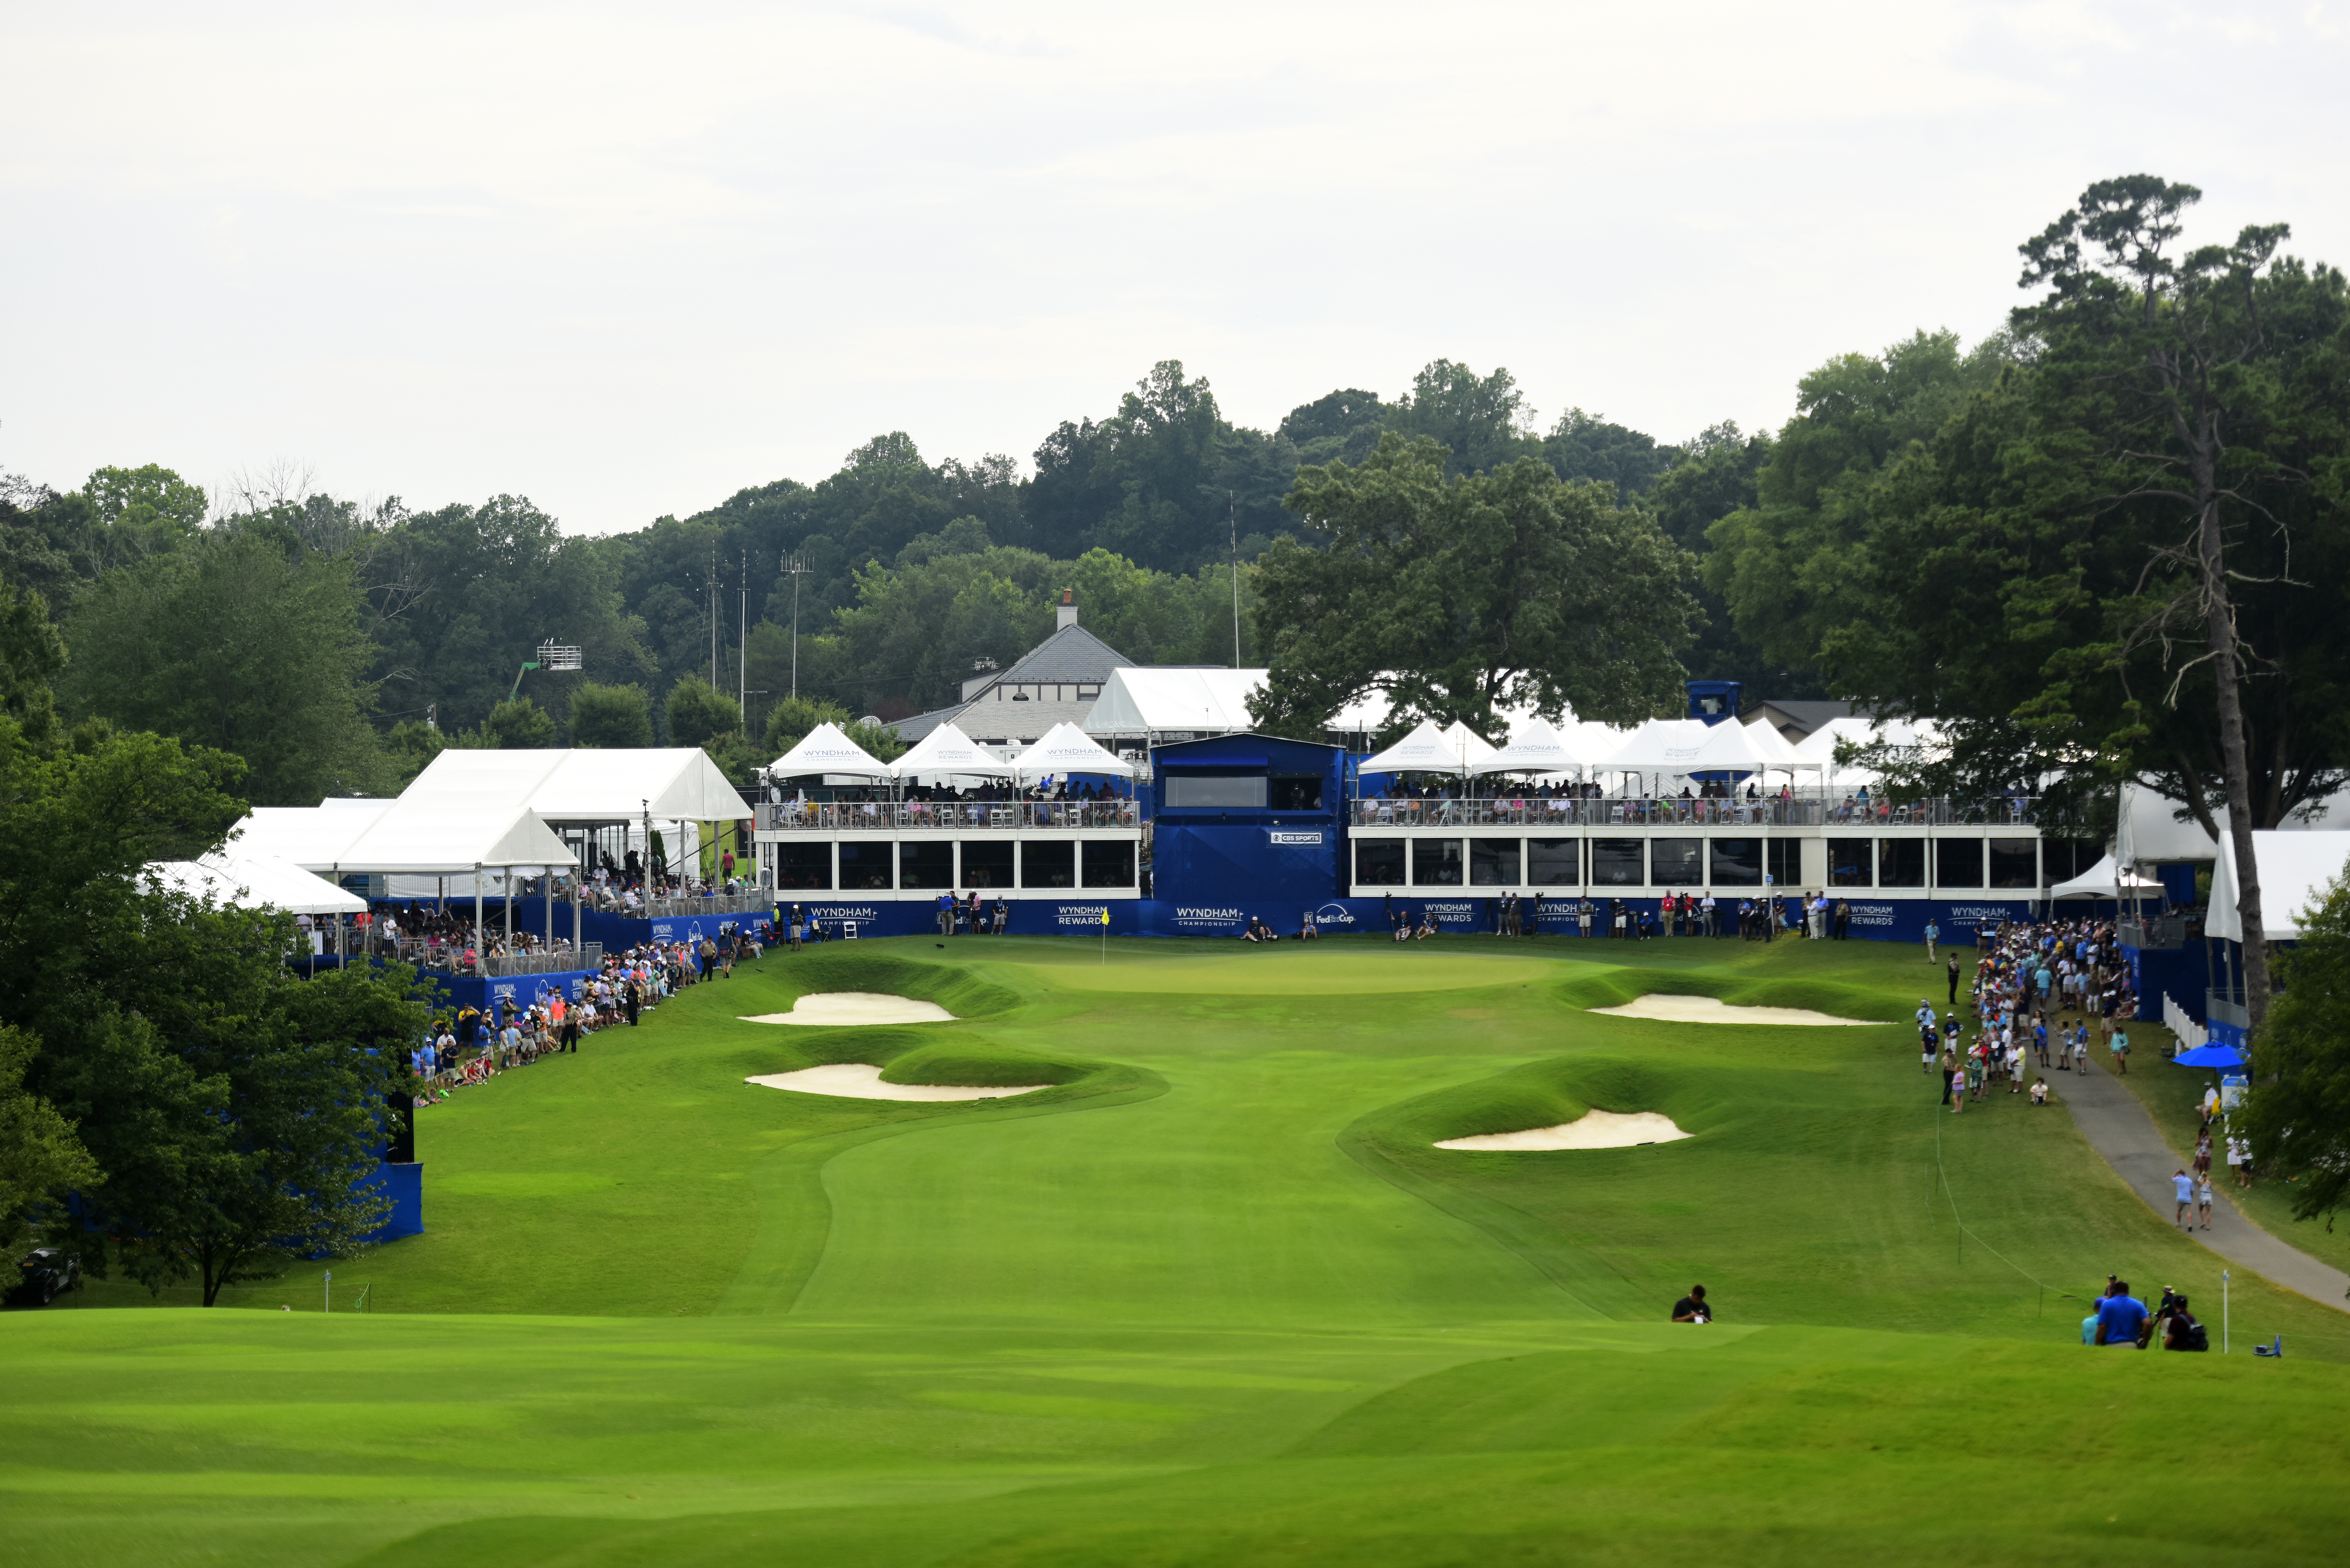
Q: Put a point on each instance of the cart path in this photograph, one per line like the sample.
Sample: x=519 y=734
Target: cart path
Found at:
x=2118 y=1126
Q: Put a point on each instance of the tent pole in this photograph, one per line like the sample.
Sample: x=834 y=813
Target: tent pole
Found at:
x=477 y=919
x=574 y=914
x=546 y=886
x=508 y=884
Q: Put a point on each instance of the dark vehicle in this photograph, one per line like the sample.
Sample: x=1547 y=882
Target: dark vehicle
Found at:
x=46 y=1272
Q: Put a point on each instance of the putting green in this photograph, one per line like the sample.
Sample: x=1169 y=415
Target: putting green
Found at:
x=1211 y=1297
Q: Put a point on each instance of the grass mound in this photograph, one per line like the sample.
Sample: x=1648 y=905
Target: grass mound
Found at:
x=1615 y=987
x=871 y=966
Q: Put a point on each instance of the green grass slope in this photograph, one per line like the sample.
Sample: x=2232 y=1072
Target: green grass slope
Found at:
x=1212 y=1297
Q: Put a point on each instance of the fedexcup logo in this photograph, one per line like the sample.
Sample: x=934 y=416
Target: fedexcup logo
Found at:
x=1293 y=836
x=1333 y=915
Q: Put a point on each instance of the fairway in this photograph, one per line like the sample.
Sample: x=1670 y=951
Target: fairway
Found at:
x=1210 y=1294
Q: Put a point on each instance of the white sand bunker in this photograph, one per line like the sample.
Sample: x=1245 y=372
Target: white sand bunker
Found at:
x=1712 y=1010
x=861 y=1081
x=1593 y=1129
x=840 y=1007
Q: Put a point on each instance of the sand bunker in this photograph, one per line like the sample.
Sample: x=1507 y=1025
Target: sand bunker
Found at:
x=1593 y=1129
x=1712 y=1010
x=839 y=1007
x=860 y=1081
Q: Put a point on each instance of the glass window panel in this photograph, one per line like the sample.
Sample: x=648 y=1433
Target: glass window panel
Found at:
x=1851 y=864
x=1044 y=864
x=1493 y=862
x=1958 y=863
x=1900 y=862
x=1554 y=862
x=803 y=868
x=2015 y=863
x=987 y=863
x=1676 y=862
x=865 y=865
x=1786 y=857
x=1378 y=862
x=926 y=863
x=1436 y=862
x=1617 y=863
x=1212 y=791
x=1736 y=862
x=1107 y=862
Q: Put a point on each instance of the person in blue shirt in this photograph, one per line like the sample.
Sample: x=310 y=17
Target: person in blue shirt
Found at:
x=2121 y=1316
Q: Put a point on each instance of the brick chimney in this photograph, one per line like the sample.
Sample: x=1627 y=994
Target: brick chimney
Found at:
x=1065 y=612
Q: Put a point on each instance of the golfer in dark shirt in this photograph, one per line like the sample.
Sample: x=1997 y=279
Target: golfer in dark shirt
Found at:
x=1692 y=1308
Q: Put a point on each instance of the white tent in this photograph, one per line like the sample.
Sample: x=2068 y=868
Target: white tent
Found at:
x=2296 y=868
x=254 y=882
x=1140 y=701
x=1535 y=747
x=826 y=750
x=1472 y=747
x=1064 y=749
x=948 y=751
x=583 y=785
x=1661 y=745
x=438 y=838
x=311 y=836
x=1427 y=750
x=2105 y=880
x=1146 y=701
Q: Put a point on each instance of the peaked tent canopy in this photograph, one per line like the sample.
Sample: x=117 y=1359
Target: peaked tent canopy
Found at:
x=1535 y=747
x=1145 y=700
x=1427 y=750
x=1472 y=747
x=946 y=750
x=309 y=835
x=2296 y=868
x=254 y=882
x=2105 y=880
x=1065 y=750
x=441 y=840
x=583 y=785
x=826 y=750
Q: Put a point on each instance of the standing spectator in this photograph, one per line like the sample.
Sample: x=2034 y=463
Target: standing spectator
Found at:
x=2183 y=1191
x=2203 y=1199
x=1933 y=935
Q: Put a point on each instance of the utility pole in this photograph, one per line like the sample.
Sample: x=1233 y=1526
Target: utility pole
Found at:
x=742 y=647
x=796 y=569
x=1233 y=516
x=714 y=620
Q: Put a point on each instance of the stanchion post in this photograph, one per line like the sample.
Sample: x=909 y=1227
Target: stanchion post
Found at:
x=326 y=1283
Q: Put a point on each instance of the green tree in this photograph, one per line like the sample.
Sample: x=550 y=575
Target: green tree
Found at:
x=1714 y=474
x=238 y=644
x=41 y=1159
x=230 y=1106
x=789 y=721
x=1481 y=422
x=31 y=654
x=1586 y=446
x=522 y=725
x=1459 y=597
x=143 y=512
x=614 y=717
x=2298 y=1113
x=1792 y=566
x=696 y=713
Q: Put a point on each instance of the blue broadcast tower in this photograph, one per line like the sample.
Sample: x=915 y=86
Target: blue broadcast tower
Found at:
x=1714 y=700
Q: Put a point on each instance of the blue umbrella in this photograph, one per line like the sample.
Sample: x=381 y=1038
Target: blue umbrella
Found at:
x=2211 y=1056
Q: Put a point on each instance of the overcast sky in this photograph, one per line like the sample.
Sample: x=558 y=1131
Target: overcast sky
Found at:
x=627 y=264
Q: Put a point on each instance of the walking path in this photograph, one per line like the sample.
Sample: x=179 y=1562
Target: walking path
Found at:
x=2119 y=1127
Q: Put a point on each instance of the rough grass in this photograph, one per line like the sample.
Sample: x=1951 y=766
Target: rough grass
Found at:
x=1211 y=1299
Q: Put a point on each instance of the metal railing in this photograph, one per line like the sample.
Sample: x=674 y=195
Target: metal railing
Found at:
x=756 y=902
x=951 y=815
x=2169 y=931
x=1773 y=811
x=497 y=966
x=2225 y=1004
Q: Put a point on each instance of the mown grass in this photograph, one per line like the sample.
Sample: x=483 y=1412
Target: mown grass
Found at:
x=1211 y=1298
